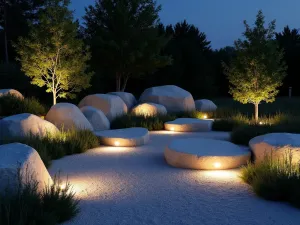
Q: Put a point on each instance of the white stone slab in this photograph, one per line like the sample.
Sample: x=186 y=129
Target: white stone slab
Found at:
x=189 y=125
x=129 y=137
x=205 y=154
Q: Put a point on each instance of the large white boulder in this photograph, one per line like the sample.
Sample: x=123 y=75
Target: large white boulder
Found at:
x=128 y=98
x=205 y=154
x=68 y=116
x=111 y=105
x=21 y=164
x=96 y=117
x=129 y=137
x=25 y=124
x=279 y=145
x=189 y=125
x=174 y=98
x=13 y=92
x=149 y=109
x=205 y=105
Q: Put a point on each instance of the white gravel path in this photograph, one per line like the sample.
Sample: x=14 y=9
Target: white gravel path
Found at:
x=134 y=186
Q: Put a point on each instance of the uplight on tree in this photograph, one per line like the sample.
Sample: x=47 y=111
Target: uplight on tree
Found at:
x=52 y=55
x=258 y=69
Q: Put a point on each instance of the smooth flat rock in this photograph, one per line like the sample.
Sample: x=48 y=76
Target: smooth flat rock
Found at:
x=129 y=137
x=277 y=144
x=174 y=98
x=68 y=116
x=25 y=124
x=128 y=98
x=205 y=105
x=96 y=118
x=189 y=125
x=21 y=161
x=205 y=154
x=13 y=92
x=111 y=105
x=149 y=109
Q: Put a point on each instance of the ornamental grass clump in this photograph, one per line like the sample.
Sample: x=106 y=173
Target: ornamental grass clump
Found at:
x=275 y=179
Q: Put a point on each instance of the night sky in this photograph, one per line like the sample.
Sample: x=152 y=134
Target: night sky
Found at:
x=221 y=20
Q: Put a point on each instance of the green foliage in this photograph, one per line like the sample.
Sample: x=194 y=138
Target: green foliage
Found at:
x=27 y=206
x=58 y=145
x=124 y=38
x=151 y=123
x=258 y=69
x=12 y=105
x=276 y=180
x=52 y=55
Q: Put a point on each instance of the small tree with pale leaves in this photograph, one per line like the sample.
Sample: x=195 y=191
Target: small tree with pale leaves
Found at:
x=52 y=55
x=258 y=69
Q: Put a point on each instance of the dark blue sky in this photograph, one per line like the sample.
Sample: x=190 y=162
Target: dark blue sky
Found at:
x=221 y=20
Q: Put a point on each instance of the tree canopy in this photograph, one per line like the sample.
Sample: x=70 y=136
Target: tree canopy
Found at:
x=52 y=55
x=124 y=38
x=258 y=69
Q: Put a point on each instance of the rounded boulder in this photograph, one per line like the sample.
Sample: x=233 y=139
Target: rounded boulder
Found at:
x=25 y=124
x=68 y=116
x=96 y=118
x=128 y=98
x=174 y=98
x=149 y=109
x=205 y=105
x=13 y=92
x=111 y=105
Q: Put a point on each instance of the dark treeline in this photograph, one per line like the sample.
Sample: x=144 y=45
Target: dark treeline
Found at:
x=195 y=66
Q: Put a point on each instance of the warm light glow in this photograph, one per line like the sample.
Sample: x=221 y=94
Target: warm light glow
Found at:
x=205 y=116
x=117 y=143
x=62 y=186
x=261 y=123
x=217 y=165
x=172 y=129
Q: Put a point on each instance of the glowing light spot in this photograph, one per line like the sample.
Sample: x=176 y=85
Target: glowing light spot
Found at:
x=217 y=165
x=117 y=143
x=62 y=186
x=172 y=128
x=205 y=116
x=261 y=123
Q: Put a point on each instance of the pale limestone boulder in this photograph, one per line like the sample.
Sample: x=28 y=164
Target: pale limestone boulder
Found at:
x=149 y=109
x=111 y=105
x=21 y=164
x=67 y=116
x=205 y=105
x=96 y=117
x=279 y=145
x=13 y=92
x=189 y=125
x=25 y=124
x=129 y=137
x=205 y=154
x=174 y=98
x=128 y=98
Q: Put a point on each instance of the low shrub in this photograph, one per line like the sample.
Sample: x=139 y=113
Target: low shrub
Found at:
x=28 y=206
x=276 y=180
x=151 y=123
x=56 y=146
x=12 y=105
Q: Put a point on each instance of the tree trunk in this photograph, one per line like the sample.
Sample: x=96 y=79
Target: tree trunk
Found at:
x=5 y=35
x=118 y=82
x=54 y=98
x=125 y=83
x=256 y=112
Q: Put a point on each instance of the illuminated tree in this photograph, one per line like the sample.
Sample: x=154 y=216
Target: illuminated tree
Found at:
x=124 y=38
x=52 y=55
x=258 y=69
